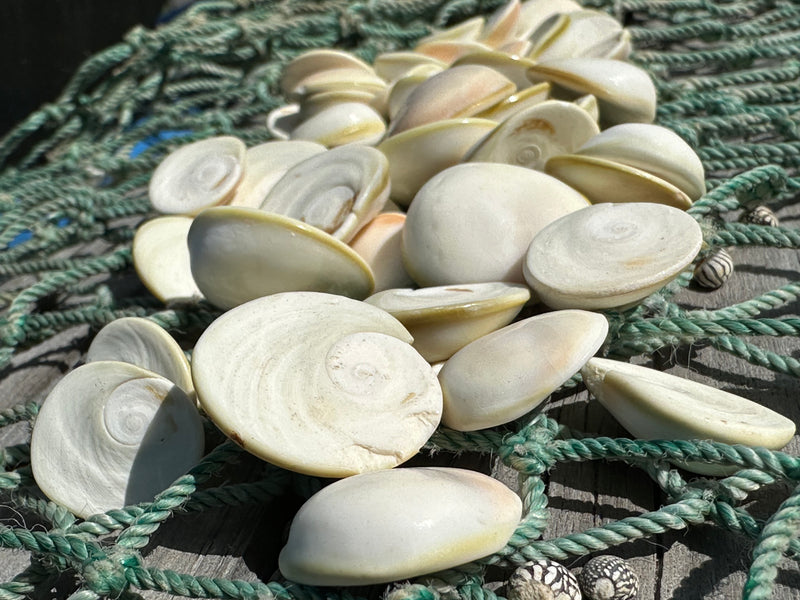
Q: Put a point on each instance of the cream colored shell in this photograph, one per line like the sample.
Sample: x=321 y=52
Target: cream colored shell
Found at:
x=143 y=343
x=610 y=255
x=111 y=434
x=392 y=525
x=198 y=175
x=447 y=318
x=317 y=383
x=474 y=222
x=161 y=258
x=238 y=254
x=379 y=243
x=508 y=373
x=342 y=123
x=311 y=63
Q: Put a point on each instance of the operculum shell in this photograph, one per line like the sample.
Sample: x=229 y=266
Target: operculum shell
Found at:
x=393 y=65
x=652 y=148
x=340 y=124
x=513 y=67
x=143 y=343
x=265 y=164
x=316 y=383
x=111 y=434
x=586 y=33
x=603 y=180
x=198 y=175
x=468 y=30
x=519 y=100
x=507 y=373
x=336 y=191
x=445 y=319
x=501 y=27
x=535 y=12
x=161 y=258
x=316 y=61
x=238 y=254
x=655 y=405
x=403 y=87
x=528 y=138
x=418 y=154
x=379 y=243
x=448 y=51
x=625 y=92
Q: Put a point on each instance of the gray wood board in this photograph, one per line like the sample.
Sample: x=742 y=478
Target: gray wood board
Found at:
x=701 y=562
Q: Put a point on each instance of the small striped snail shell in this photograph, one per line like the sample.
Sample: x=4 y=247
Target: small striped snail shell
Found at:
x=543 y=579
x=714 y=270
x=608 y=578
x=760 y=215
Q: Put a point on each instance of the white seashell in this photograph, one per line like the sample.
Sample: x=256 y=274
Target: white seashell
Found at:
x=506 y=374
x=391 y=525
x=625 y=92
x=457 y=92
x=652 y=148
x=501 y=27
x=317 y=61
x=418 y=154
x=548 y=578
x=238 y=254
x=583 y=33
x=513 y=67
x=335 y=80
x=265 y=164
x=447 y=318
x=610 y=255
x=282 y=120
x=603 y=180
x=198 y=175
x=111 y=434
x=608 y=577
x=466 y=31
x=340 y=124
x=535 y=12
x=336 y=191
x=531 y=136
x=655 y=405
x=518 y=101
x=315 y=383
x=393 y=65
x=141 y=342
x=499 y=209
x=318 y=102
x=403 y=87
x=161 y=258
x=714 y=270
x=379 y=243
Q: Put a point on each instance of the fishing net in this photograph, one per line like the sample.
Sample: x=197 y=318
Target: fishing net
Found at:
x=73 y=186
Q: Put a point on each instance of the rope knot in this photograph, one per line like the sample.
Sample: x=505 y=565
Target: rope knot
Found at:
x=105 y=575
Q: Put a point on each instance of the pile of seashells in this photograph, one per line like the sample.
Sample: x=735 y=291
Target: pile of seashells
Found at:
x=372 y=264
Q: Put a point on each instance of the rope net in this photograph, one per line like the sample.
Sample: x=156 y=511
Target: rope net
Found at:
x=73 y=185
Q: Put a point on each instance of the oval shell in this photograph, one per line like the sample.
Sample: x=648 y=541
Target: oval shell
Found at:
x=610 y=255
x=316 y=383
x=397 y=524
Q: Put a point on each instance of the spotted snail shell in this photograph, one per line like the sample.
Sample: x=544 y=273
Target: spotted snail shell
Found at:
x=761 y=215
x=608 y=578
x=542 y=579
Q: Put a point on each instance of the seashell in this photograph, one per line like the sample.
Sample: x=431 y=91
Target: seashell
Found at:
x=608 y=577
x=238 y=254
x=652 y=148
x=316 y=61
x=393 y=65
x=519 y=100
x=445 y=319
x=533 y=13
x=336 y=191
x=448 y=51
x=531 y=136
x=265 y=164
x=403 y=87
x=197 y=175
x=282 y=120
x=582 y=33
x=501 y=27
x=589 y=104
x=111 y=434
x=418 y=154
x=545 y=577
x=603 y=180
x=141 y=342
x=335 y=80
x=625 y=92
x=457 y=92
x=161 y=258
x=379 y=243
x=340 y=124
x=315 y=104
x=655 y=405
x=466 y=31
x=760 y=215
x=610 y=255
x=513 y=67
x=509 y=372
x=714 y=270
x=392 y=525
x=500 y=208
x=316 y=383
